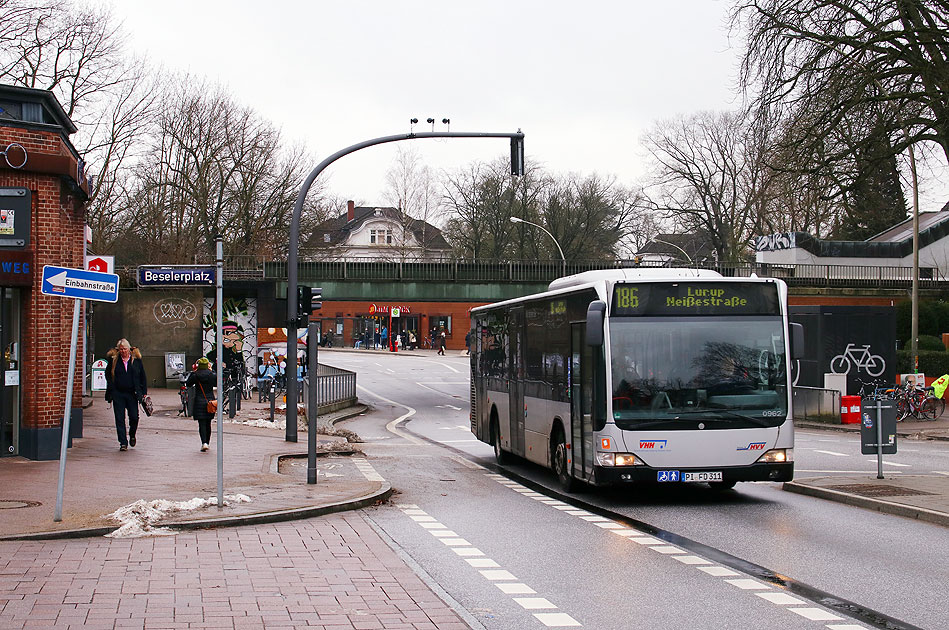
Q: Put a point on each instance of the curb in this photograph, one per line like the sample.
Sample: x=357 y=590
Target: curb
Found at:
x=886 y=507
x=273 y=516
x=819 y=426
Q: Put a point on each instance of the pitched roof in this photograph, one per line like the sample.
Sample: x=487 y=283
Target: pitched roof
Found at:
x=339 y=228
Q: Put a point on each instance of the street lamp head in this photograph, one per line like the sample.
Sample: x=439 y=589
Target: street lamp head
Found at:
x=516 y=220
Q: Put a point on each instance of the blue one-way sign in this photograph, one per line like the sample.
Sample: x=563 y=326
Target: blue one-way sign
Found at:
x=81 y=284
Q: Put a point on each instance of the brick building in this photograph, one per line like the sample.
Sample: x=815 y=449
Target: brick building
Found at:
x=43 y=194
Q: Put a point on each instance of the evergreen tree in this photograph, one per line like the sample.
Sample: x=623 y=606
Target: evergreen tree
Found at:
x=876 y=200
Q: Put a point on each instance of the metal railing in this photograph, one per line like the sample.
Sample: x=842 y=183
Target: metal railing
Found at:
x=241 y=267
x=337 y=388
x=816 y=404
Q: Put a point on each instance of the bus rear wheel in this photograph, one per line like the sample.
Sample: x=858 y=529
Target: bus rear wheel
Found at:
x=559 y=462
x=500 y=456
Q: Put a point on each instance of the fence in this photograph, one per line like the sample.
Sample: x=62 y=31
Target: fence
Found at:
x=337 y=389
x=816 y=404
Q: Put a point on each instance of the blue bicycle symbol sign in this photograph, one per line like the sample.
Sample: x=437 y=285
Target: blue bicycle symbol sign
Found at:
x=872 y=364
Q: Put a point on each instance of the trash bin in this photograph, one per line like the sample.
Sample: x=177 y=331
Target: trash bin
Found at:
x=850 y=410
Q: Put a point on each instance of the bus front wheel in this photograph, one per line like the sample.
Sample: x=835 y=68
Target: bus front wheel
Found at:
x=559 y=459
x=499 y=455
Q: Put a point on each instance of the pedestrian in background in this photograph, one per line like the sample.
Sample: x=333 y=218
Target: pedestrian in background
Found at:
x=468 y=342
x=441 y=342
x=126 y=385
x=203 y=381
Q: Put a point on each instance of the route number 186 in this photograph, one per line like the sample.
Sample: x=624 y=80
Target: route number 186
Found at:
x=626 y=297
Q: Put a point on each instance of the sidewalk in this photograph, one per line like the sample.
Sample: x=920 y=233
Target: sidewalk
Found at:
x=923 y=497
x=167 y=464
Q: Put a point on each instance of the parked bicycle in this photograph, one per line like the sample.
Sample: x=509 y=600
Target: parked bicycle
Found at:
x=918 y=402
x=876 y=390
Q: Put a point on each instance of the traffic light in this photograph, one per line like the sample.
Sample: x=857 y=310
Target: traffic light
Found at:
x=303 y=302
x=517 y=155
x=316 y=295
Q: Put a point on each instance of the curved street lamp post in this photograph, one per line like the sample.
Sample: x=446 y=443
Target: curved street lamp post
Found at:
x=563 y=260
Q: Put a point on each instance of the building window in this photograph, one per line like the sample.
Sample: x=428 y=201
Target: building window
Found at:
x=380 y=237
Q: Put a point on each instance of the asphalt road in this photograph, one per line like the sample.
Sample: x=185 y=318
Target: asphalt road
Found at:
x=462 y=524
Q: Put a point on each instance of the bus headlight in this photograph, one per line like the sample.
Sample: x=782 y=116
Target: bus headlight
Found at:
x=617 y=459
x=777 y=456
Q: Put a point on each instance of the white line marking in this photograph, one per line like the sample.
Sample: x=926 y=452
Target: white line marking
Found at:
x=845 y=626
x=443 y=365
x=886 y=463
x=666 y=549
x=941 y=472
x=422 y=519
x=692 y=560
x=497 y=574
x=781 y=599
x=748 y=584
x=533 y=603
x=391 y=427
x=433 y=525
x=516 y=588
x=846 y=472
x=717 y=571
x=482 y=562
x=456 y=542
x=834 y=453
x=556 y=619
x=468 y=551
x=816 y=614
x=442 y=533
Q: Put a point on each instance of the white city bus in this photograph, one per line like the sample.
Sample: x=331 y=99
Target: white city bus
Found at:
x=639 y=375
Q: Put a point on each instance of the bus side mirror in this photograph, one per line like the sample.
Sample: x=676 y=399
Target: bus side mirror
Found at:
x=596 y=313
x=797 y=340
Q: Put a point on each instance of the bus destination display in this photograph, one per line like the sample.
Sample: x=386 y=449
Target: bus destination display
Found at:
x=695 y=298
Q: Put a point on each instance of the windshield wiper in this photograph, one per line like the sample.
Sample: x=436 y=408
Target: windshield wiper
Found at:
x=727 y=414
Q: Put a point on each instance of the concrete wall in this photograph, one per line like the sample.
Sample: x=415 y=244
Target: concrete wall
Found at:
x=154 y=321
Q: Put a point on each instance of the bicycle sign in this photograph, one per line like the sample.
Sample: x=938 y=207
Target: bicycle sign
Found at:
x=872 y=364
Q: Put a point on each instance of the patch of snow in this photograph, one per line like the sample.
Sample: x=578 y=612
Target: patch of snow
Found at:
x=139 y=517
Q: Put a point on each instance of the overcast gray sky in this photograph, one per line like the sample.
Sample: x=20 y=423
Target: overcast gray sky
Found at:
x=582 y=80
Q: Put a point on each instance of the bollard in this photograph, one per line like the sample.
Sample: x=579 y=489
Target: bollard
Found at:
x=273 y=402
x=232 y=397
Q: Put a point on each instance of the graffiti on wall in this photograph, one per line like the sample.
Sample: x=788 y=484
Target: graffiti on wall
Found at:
x=775 y=242
x=174 y=312
x=239 y=328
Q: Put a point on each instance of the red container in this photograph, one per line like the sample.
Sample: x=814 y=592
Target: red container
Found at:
x=850 y=409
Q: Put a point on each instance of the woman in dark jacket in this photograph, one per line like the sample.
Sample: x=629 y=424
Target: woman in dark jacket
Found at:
x=203 y=381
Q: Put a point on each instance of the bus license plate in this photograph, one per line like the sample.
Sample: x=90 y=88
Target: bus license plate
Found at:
x=702 y=476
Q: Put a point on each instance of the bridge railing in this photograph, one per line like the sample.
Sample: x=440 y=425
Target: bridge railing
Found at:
x=337 y=388
x=242 y=267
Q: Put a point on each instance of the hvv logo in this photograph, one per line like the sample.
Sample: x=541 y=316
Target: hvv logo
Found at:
x=752 y=446
x=656 y=445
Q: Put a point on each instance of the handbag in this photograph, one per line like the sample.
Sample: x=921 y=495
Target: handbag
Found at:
x=147 y=406
x=212 y=404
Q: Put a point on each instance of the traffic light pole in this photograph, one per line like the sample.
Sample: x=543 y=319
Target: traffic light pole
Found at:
x=517 y=168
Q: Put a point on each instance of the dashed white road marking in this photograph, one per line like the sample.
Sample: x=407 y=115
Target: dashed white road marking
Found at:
x=367 y=470
x=717 y=571
x=834 y=453
x=816 y=614
x=490 y=570
x=781 y=599
x=534 y=603
x=747 y=584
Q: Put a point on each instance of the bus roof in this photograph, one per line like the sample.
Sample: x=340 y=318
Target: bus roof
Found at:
x=633 y=273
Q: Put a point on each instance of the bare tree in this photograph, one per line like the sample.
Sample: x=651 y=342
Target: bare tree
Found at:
x=710 y=177
x=828 y=63
x=413 y=190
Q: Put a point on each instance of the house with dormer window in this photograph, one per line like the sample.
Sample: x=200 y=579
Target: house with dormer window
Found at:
x=374 y=233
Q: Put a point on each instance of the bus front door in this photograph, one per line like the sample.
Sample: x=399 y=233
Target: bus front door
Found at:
x=516 y=379
x=581 y=401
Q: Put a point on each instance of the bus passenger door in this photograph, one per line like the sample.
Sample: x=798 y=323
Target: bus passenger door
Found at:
x=581 y=401
x=516 y=379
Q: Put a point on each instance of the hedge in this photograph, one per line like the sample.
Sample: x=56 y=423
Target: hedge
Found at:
x=930 y=363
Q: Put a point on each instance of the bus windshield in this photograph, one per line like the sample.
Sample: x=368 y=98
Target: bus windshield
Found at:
x=675 y=371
